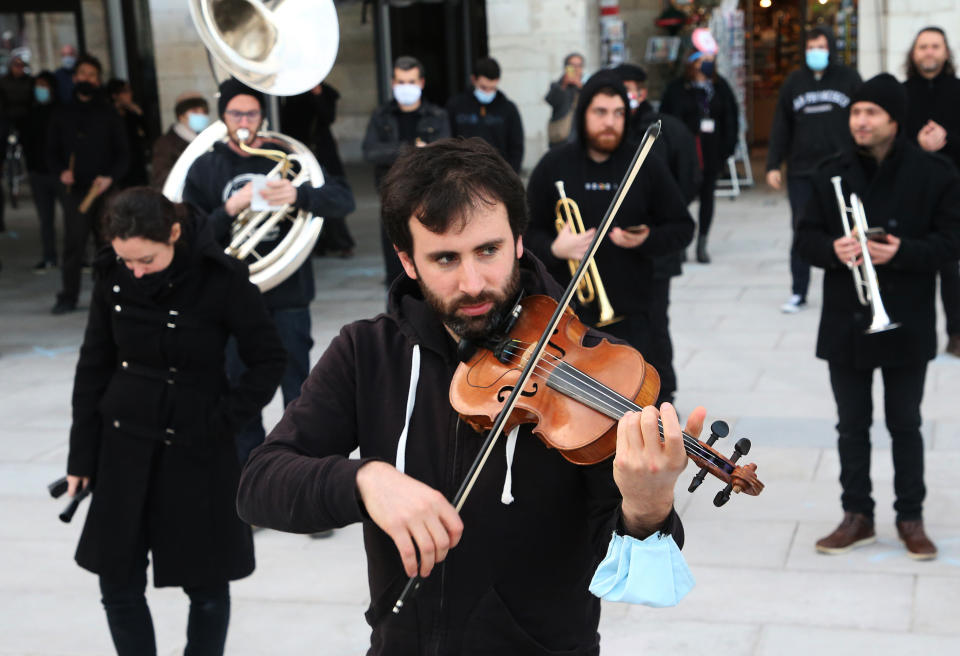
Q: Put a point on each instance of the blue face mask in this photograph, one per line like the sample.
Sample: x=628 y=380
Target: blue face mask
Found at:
x=197 y=122
x=817 y=59
x=68 y=61
x=484 y=97
x=42 y=94
x=708 y=68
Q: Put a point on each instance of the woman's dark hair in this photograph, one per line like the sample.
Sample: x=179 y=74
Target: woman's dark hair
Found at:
x=439 y=184
x=141 y=212
x=911 y=67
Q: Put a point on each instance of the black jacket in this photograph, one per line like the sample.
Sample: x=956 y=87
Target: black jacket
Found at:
x=34 y=138
x=517 y=581
x=382 y=145
x=914 y=196
x=689 y=103
x=154 y=415
x=812 y=118
x=307 y=117
x=497 y=123
x=677 y=147
x=938 y=100
x=654 y=200
x=221 y=172
x=91 y=133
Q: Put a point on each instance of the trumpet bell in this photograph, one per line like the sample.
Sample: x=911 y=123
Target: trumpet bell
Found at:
x=279 y=47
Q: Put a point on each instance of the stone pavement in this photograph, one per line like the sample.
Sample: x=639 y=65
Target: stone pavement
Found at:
x=761 y=589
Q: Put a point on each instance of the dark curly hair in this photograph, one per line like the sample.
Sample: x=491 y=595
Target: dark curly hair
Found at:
x=142 y=212
x=439 y=183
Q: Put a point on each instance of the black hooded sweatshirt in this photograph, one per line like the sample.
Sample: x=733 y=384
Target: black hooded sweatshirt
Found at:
x=517 y=583
x=811 y=121
x=654 y=200
x=221 y=172
x=935 y=100
x=498 y=123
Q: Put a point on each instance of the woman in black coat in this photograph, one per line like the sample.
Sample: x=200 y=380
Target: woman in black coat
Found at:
x=154 y=417
x=704 y=101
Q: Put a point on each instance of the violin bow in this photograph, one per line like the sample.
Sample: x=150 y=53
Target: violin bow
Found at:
x=497 y=429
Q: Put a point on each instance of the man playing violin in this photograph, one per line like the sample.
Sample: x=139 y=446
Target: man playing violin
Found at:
x=511 y=571
x=653 y=219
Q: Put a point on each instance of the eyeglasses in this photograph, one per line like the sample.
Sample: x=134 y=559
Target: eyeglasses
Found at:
x=237 y=115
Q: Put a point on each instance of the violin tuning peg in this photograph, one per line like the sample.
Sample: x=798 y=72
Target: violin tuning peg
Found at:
x=718 y=429
x=697 y=480
x=722 y=496
x=742 y=446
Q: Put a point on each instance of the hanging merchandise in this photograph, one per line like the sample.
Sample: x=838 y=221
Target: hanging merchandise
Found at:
x=612 y=34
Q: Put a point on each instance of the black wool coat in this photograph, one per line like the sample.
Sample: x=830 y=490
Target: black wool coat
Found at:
x=915 y=196
x=154 y=415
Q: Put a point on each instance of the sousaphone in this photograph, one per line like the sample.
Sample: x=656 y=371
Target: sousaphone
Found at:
x=282 y=48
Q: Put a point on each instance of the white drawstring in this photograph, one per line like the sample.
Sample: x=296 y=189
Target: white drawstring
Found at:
x=411 y=400
x=506 y=498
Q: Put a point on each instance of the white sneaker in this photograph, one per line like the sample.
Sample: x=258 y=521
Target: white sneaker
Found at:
x=794 y=305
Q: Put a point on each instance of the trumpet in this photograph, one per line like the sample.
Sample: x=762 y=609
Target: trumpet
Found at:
x=864 y=274
x=591 y=287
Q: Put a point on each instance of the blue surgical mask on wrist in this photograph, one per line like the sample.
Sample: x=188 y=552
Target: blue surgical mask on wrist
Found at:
x=484 y=97
x=817 y=59
x=197 y=121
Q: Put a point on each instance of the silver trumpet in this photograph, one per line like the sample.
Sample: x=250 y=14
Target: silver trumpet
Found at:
x=864 y=275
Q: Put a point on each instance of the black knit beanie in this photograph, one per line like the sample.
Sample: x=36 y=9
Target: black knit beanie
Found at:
x=884 y=90
x=230 y=88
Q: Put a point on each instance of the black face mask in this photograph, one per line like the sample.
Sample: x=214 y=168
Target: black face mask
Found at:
x=708 y=68
x=85 y=88
x=151 y=284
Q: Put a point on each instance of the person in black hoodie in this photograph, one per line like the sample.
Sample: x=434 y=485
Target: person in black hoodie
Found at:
x=43 y=182
x=654 y=210
x=307 y=117
x=510 y=570
x=484 y=111
x=154 y=417
x=678 y=149
x=933 y=91
x=87 y=150
x=915 y=198
x=703 y=100
x=810 y=124
x=219 y=183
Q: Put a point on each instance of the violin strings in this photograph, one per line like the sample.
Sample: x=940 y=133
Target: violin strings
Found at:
x=601 y=394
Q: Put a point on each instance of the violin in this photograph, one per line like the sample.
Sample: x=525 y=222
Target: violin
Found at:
x=577 y=394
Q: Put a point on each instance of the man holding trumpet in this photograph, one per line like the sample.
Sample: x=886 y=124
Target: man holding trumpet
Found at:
x=912 y=202
x=652 y=221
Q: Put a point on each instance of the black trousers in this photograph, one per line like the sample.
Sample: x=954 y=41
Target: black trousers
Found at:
x=131 y=625
x=799 y=191
x=950 y=295
x=661 y=346
x=77 y=228
x=902 y=393
x=707 y=199
x=43 y=187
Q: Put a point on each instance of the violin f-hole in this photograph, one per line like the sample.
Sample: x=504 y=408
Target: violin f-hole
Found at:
x=505 y=392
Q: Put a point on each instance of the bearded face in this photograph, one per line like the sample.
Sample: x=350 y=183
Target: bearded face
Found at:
x=604 y=123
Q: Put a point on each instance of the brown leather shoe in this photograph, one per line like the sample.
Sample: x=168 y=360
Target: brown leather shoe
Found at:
x=854 y=531
x=919 y=546
x=953 y=345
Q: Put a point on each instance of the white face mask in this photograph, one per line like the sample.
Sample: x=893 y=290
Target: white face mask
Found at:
x=407 y=94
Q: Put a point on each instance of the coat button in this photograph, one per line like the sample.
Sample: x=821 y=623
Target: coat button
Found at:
x=116 y=423
x=167 y=442
x=116 y=308
x=116 y=289
x=124 y=364
x=169 y=381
